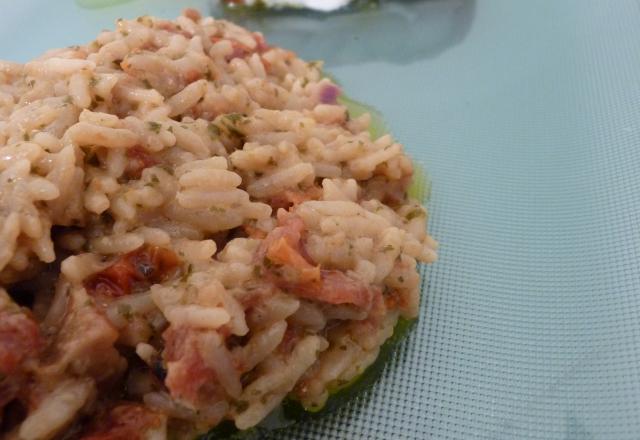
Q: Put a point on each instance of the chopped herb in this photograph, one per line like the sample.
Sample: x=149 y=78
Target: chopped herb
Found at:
x=26 y=137
x=154 y=181
x=67 y=100
x=305 y=81
x=154 y=126
x=124 y=33
x=316 y=64
x=125 y=311
x=387 y=248
x=235 y=133
x=167 y=168
x=415 y=213
x=217 y=209
x=93 y=81
x=146 y=83
x=234 y=117
x=170 y=130
x=232 y=131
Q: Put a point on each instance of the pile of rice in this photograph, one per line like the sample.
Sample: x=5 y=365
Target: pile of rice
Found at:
x=191 y=229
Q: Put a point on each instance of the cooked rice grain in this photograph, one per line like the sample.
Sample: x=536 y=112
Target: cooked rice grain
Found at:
x=207 y=204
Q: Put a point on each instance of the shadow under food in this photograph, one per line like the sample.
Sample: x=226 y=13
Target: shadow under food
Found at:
x=394 y=31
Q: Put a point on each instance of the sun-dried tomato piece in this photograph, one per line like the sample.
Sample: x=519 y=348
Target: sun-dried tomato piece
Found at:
x=284 y=258
x=187 y=374
x=128 y=421
x=139 y=159
x=19 y=339
x=142 y=267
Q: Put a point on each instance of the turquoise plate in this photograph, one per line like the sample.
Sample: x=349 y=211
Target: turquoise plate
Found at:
x=527 y=116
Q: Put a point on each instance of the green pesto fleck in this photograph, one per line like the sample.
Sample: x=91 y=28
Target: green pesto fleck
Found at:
x=154 y=126
x=415 y=213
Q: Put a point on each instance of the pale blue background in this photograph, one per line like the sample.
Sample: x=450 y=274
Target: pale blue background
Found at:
x=526 y=114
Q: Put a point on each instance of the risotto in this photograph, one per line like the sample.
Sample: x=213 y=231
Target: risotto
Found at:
x=192 y=229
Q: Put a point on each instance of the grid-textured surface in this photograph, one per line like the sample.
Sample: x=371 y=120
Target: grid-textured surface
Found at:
x=527 y=116
x=530 y=128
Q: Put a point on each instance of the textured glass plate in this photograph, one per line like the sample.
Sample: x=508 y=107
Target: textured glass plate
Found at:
x=526 y=115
